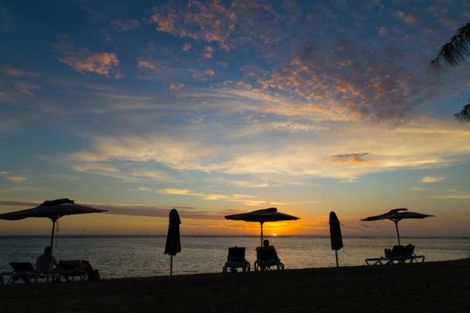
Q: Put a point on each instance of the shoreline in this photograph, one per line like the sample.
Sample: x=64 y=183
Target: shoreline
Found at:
x=425 y=287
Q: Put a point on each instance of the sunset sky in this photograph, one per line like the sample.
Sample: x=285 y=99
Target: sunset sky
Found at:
x=220 y=107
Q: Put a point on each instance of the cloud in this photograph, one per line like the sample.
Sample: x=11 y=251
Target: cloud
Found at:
x=86 y=61
x=431 y=179
x=355 y=84
x=16 y=72
x=6 y=97
x=350 y=157
x=13 y=178
x=211 y=21
x=453 y=197
x=410 y=146
x=204 y=74
x=207 y=52
x=186 y=47
x=176 y=86
x=406 y=17
x=146 y=64
x=244 y=199
x=26 y=89
x=125 y=25
x=382 y=31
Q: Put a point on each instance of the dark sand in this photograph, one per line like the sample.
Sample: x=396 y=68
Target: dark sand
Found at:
x=426 y=287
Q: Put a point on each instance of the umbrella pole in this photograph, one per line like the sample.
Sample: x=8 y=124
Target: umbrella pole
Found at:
x=171 y=265
x=52 y=235
x=398 y=233
x=336 y=254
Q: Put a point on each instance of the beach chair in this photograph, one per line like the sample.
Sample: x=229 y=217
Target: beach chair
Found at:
x=267 y=257
x=397 y=255
x=72 y=270
x=236 y=259
x=23 y=271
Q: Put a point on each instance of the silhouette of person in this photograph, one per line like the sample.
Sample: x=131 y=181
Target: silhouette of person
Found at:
x=46 y=262
x=266 y=243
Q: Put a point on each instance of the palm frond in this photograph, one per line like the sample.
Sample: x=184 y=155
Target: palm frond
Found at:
x=456 y=49
x=464 y=115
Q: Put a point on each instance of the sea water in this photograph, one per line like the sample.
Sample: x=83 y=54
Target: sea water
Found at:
x=132 y=256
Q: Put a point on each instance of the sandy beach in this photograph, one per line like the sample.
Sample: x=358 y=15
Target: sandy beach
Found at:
x=426 y=287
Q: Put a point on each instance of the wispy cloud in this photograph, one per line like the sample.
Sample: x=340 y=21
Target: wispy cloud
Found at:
x=462 y=196
x=26 y=89
x=146 y=64
x=204 y=74
x=125 y=25
x=406 y=17
x=351 y=157
x=431 y=179
x=177 y=86
x=84 y=60
x=408 y=146
x=17 y=72
x=17 y=179
x=244 y=199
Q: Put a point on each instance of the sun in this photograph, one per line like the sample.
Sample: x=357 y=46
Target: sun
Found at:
x=274 y=235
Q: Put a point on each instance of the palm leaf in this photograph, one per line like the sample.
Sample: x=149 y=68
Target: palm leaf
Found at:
x=456 y=49
x=464 y=115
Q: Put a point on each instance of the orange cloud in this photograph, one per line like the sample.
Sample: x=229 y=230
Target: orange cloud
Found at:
x=84 y=60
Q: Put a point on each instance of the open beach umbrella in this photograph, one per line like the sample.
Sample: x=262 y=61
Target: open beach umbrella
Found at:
x=335 y=235
x=52 y=209
x=395 y=216
x=173 y=243
x=262 y=216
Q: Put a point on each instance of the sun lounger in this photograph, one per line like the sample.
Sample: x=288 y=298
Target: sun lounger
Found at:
x=25 y=272
x=72 y=270
x=267 y=257
x=236 y=259
x=397 y=255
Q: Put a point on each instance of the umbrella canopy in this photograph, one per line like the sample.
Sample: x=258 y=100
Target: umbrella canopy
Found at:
x=53 y=209
x=397 y=215
x=173 y=243
x=335 y=234
x=262 y=216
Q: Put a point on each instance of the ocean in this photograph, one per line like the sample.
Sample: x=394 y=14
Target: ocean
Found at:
x=132 y=256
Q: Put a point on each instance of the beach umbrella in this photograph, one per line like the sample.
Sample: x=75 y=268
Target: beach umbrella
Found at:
x=395 y=216
x=173 y=244
x=335 y=235
x=262 y=216
x=52 y=209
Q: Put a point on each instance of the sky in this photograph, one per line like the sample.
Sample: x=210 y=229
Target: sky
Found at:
x=221 y=107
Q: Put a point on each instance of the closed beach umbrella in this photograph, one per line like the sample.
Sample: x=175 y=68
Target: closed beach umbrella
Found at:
x=262 y=216
x=173 y=243
x=335 y=235
x=52 y=209
x=395 y=216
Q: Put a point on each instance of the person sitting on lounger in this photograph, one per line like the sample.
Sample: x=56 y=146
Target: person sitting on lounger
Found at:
x=266 y=257
x=46 y=262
